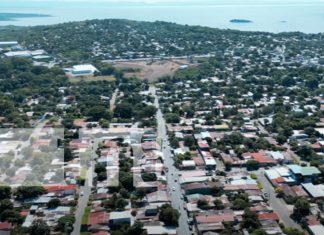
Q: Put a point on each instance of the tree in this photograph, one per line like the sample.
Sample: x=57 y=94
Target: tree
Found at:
x=148 y=111
x=301 y=208
x=67 y=154
x=123 y=110
x=202 y=204
x=169 y=215
x=5 y=204
x=228 y=166
x=281 y=139
x=11 y=216
x=240 y=204
x=28 y=192
x=140 y=193
x=305 y=151
x=216 y=191
x=99 y=112
x=147 y=177
x=121 y=203
x=53 y=203
x=311 y=83
x=39 y=227
x=219 y=204
x=116 y=202
x=189 y=141
x=5 y=192
x=279 y=192
x=172 y=118
x=136 y=228
x=250 y=220
x=126 y=180
x=252 y=165
x=65 y=223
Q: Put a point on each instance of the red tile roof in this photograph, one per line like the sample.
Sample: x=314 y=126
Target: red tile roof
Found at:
x=214 y=218
x=55 y=188
x=5 y=226
x=150 y=145
x=300 y=192
x=262 y=157
x=100 y=217
x=199 y=161
x=268 y=216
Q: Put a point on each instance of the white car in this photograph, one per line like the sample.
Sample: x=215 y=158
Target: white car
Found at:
x=173 y=188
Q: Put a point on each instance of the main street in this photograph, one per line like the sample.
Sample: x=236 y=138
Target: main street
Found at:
x=177 y=200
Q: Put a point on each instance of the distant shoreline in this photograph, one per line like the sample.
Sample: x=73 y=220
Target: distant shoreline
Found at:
x=16 y=16
x=240 y=21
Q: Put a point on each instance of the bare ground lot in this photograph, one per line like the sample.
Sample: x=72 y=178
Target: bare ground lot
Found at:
x=151 y=71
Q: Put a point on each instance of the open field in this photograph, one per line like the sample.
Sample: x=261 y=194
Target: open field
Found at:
x=91 y=78
x=150 y=70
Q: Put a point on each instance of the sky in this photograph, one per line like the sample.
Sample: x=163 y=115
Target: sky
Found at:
x=167 y=1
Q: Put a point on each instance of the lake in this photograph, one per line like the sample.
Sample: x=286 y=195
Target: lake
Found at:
x=265 y=15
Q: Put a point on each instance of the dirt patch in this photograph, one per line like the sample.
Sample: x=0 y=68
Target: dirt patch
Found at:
x=151 y=71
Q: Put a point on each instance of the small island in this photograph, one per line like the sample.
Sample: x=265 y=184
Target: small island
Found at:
x=15 y=16
x=240 y=21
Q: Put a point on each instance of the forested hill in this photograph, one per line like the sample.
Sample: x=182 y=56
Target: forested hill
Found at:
x=113 y=39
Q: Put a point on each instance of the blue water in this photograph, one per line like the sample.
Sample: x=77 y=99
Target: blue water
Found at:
x=266 y=15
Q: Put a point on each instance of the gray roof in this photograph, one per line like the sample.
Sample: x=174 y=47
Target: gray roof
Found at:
x=160 y=230
x=119 y=215
x=317 y=229
x=314 y=190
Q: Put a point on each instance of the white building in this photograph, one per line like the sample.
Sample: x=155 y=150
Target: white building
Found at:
x=83 y=70
x=8 y=44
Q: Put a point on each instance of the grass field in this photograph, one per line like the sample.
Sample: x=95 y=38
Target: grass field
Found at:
x=91 y=78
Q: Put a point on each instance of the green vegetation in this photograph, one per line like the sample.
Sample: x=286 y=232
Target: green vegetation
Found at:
x=301 y=208
x=39 y=227
x=29 y=192
x=65 y=223
x=115 y=202
x=169 y=215
x=86 y=214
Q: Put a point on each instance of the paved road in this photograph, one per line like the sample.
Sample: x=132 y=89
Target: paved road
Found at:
x=113 y=100
x=86 y=191
x=172 y=174
x=277 y=204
